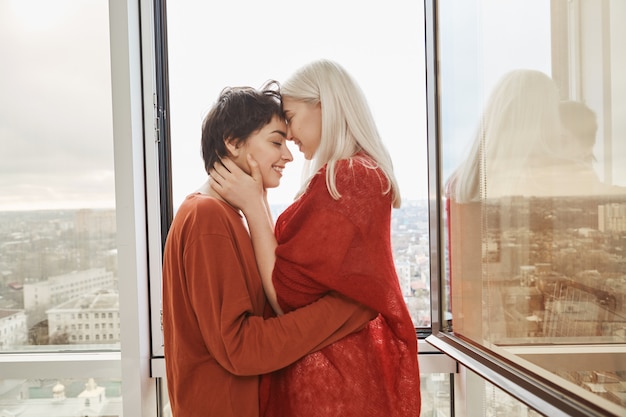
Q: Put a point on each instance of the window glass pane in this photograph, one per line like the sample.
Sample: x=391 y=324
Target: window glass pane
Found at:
x=58 y=264
x=496 y=402
x=436 y=395
x=435 y=389
x=532 y=121
x=383 y=49
x=61 y=397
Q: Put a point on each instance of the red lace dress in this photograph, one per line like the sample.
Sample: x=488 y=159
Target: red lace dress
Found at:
x=344 y=245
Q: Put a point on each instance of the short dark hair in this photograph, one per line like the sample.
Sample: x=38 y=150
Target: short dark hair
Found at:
x=238 y=112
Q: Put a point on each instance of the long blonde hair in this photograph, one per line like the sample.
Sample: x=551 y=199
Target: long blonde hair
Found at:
x=347 y=123
x=519 y=131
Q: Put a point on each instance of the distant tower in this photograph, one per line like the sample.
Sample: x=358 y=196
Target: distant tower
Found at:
x=58 y=392
x=93 y=392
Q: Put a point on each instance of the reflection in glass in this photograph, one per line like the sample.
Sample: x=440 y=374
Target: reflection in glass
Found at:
x=498 y=403
x=535 y=218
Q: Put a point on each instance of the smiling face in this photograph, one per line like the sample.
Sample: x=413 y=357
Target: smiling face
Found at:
x=304 y=125
x=268 y=146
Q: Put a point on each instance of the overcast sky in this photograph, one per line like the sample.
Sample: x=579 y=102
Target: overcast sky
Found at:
x=55 y=107
x=248 y=42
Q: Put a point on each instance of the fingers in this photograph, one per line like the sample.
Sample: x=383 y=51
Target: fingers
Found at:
x=224 y=175
x=214 y=182
x=227 y=164
x=221 y=169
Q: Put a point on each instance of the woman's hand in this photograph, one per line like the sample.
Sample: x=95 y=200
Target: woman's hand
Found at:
x=247 y=193
x=234 y=185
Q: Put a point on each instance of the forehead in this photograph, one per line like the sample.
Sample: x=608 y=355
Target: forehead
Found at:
x=289 y=104
x=276 y=126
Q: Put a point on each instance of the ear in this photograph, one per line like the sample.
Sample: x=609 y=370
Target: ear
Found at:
x=233 y=146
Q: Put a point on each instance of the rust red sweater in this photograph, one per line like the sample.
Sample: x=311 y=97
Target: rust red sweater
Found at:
x=344 y=245
x=215 y=339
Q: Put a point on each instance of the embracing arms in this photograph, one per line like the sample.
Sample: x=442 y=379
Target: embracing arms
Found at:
x=246 y=192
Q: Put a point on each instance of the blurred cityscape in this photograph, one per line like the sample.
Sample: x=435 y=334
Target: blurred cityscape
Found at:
x=555 y=268
x=58 y=274
x=554 y=272
x=58 y=286
x=58 y=278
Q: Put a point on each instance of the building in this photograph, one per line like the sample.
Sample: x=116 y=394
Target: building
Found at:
x=55 y=399
x=13 y=329
x=403 y=269
x=58 y=289
x=90 y=319
x=612 y=217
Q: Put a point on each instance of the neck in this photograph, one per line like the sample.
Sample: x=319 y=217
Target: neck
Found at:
x=207 y=190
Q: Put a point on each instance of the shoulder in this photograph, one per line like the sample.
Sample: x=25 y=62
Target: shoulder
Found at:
x=357 y=162
x=359 y=171
x=195 y=203
x=205 y=213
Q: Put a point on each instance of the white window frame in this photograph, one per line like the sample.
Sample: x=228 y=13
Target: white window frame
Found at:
x=430 y=359
x=132 y=79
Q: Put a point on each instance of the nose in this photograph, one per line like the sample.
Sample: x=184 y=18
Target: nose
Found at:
x=286 y=154
x=289 y=134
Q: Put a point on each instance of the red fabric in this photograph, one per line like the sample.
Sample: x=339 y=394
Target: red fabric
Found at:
x=215 y=339
x=344 y=245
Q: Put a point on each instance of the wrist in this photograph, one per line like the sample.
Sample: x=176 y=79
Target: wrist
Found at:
x=253 y=206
